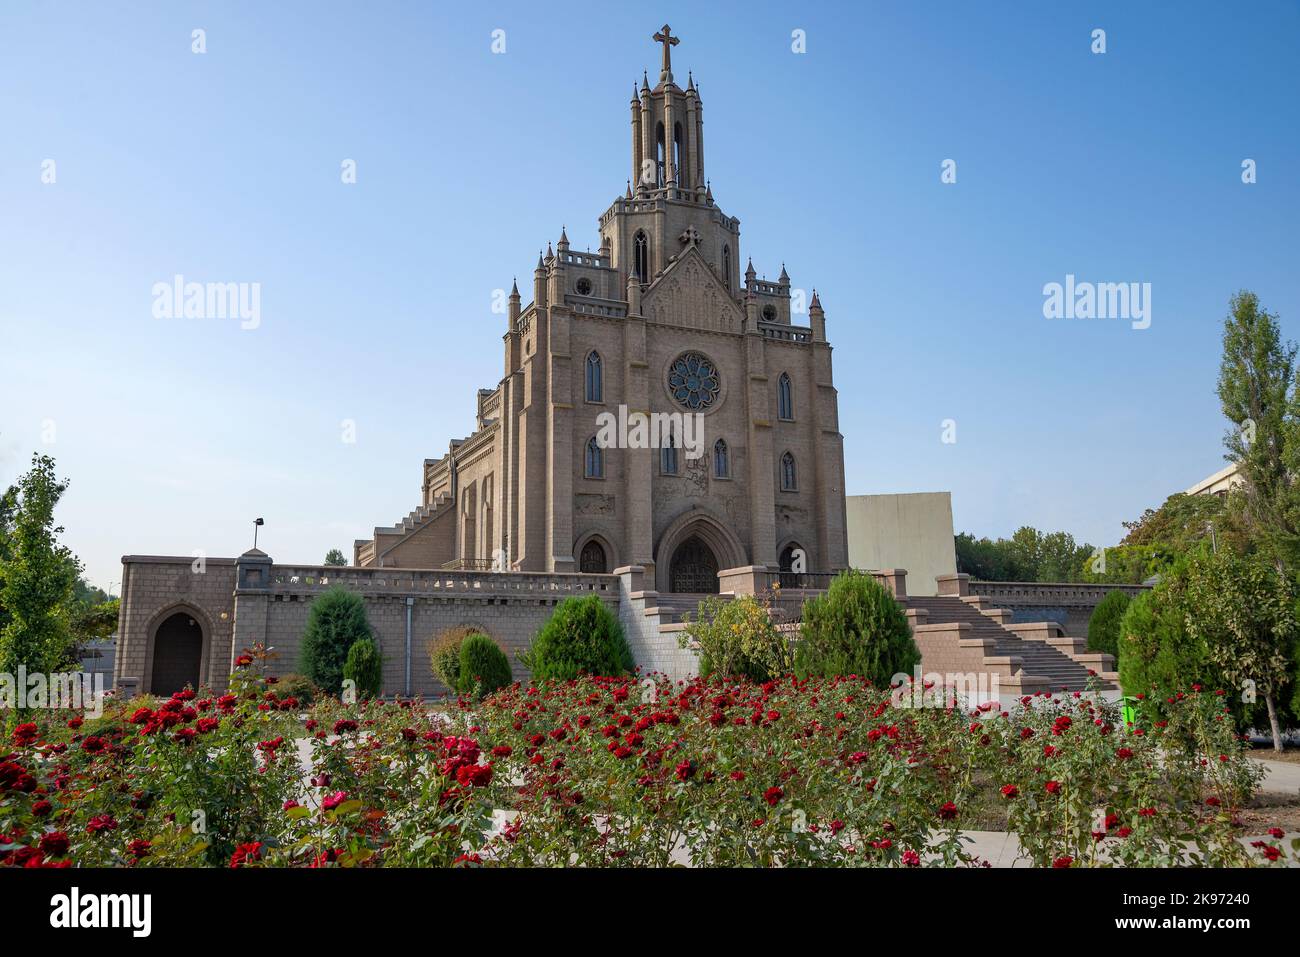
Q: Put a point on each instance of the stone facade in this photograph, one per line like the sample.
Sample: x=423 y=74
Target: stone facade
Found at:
x=604 y=333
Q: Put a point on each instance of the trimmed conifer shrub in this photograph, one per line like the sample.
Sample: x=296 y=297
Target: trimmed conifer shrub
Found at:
x=364 y=666
x=856 y=628
x=483 y=667
x=336 y=622
x=582 y=636
x=1103 y=625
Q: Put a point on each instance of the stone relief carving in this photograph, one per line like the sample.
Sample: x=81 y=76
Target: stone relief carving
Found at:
x=587 y=503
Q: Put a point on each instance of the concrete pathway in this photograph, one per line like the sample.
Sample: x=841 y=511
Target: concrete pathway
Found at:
x=1281 y=777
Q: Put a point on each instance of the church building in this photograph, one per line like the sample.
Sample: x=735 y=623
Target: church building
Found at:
x=662 y=320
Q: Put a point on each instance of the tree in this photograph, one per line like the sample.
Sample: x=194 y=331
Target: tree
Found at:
x=336 y=622
x=1256 y=379
x=37 y=575
x=856 y=628
x=335 y=557
x=1244 y=612
x=1028 y=555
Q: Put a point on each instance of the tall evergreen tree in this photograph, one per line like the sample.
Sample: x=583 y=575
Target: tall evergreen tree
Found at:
x=1257 y=393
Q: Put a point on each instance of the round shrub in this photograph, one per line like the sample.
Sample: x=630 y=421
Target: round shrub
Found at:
x=296 y=686
x=582 y=636
x=484 y=667
x=737 y=639
x=856 y=628
x=336 y=622
x=365 y=667
x=444 y=655
x=1103 y=626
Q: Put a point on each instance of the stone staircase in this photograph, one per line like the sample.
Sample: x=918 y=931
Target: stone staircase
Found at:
x=671 y=607
x=961 y=636
x=371 y=551
x=1037 y=658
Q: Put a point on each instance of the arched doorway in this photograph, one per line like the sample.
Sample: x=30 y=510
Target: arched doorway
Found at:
x=694 y=568
x=177 y=654
x=592 y=558
x=792 y=576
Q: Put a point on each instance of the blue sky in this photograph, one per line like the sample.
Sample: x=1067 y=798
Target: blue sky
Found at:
x=225 y=166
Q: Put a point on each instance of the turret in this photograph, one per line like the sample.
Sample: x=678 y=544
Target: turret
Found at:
x=514 y=305
x=817 y=318
x=539 y=283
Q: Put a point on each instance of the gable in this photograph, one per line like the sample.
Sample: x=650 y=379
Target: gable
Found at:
x=688 y=294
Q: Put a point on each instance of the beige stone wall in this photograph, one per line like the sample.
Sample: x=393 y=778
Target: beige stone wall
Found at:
x=509 y=607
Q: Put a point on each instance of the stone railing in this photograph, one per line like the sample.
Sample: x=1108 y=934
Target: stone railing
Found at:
x=585 y=259
x=407 y=581
x=1048 y=593
x=607 y=308
x=778 y=330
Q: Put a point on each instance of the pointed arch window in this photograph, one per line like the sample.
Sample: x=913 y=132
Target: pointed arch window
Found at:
x=784 y=398
x=789 y=475
x=641 y=257
x=726 y=267
x=668 y=456
x=677 y=154
x=595 y=460
x=660 y=155
x=595 y=379
x=721 y=460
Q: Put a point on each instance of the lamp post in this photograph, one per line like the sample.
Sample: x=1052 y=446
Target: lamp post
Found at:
x=257 y=523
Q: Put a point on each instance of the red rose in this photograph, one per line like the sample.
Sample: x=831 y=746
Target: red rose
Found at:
x=54 y=844
x=948 y=811
x=773 y=796
x=25 y=734
x=1009 y=791
x=334 y=800
x=245 y=853
x=1053 y=787
x=101 y=822
x=1063 y=862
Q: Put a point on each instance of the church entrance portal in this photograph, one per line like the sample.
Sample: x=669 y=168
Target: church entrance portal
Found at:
x=694 y=568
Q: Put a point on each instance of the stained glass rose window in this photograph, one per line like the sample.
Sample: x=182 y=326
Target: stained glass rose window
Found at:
x=694 y=382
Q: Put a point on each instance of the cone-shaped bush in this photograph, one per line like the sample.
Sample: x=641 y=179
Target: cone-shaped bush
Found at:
x=856 y=628
x=336 y=622
x=483 y=667
x=581 y=637
x=365 y=667
x=1103 y=626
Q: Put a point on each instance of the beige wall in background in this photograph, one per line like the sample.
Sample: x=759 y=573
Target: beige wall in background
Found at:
x=911 y=531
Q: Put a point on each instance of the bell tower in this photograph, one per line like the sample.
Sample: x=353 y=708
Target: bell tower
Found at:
x=667 y=194
x=667 y=130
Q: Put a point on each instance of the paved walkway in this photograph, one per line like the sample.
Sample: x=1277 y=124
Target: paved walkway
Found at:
x=1281 y=777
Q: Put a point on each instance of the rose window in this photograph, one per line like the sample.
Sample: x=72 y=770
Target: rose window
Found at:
x=694 y=382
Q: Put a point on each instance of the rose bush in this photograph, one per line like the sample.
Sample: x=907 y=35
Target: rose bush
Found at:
x=626 y=771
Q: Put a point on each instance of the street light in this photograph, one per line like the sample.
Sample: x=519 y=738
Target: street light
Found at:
x=257 y=523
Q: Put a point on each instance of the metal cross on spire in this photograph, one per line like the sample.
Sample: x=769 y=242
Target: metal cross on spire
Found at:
x=665 y=36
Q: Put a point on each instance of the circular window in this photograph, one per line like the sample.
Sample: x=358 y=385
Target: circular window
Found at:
x=694 y=382
x=584 y=286
x=769 y=313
